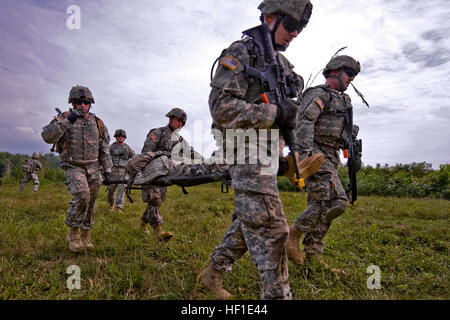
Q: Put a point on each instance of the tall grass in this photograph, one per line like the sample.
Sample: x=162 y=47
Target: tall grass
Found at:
x=407 y=238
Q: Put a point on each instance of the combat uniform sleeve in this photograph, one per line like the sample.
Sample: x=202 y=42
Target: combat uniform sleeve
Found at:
x=311 y=107
x=38 y=165
x=103 y=152
x=131 y=152
x=229 y=86
x=52 y=132
x=151 y=142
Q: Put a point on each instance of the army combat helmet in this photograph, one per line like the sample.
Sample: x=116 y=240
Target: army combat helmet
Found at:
x=342 y=62
x=120 y=133
x=179 y=113
x=35 y=155
x=294 y=14
x=80 y=92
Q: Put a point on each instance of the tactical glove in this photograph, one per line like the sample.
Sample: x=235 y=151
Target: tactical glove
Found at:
x=286 y=115
x=107 y=179
x=74 y=115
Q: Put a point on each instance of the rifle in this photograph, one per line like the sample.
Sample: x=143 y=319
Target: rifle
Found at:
x=276 y=85
x=60 y=114
x=353 y=154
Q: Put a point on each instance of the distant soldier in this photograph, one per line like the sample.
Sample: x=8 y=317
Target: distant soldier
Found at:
x=236 y=101
x=82 y=140
x=162 y=139
x=120 y=154
x=320 y=129
x=30 y=168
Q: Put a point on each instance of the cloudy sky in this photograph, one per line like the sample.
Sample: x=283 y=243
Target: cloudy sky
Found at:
x=141 y=58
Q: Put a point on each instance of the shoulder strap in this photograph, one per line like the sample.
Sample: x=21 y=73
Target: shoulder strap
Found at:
x=100 y=126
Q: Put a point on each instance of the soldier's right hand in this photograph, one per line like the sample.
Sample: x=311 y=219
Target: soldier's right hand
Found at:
x=286 y=115
x=74 y=115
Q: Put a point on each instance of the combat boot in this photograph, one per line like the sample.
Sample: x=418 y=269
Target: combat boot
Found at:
x=74 y=241
x=292 y=247
x=163 y=236
x=211 y=279
x=144 y=227
x=317 y=260
x=111 y=207
x=86 y=239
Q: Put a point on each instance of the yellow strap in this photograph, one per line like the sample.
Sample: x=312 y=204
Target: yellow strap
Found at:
x=300 y=183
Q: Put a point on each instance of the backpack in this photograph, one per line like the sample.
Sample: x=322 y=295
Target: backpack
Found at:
x=27 y=166
x=61 y=145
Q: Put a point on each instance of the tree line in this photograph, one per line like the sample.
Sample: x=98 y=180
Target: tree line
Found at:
x=401 y=180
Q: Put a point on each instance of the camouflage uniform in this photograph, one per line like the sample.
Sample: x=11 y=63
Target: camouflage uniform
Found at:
x=160 y=139
x=32 y=174
x=259 y=224
x=320 y=129
x=119 y=155
x=84 y=156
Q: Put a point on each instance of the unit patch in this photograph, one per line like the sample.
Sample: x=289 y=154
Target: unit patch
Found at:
x=230 y=62
x=320 y=103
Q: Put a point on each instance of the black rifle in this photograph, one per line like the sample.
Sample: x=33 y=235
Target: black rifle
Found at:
x=276 y=85
x=60 y=114
x=354 y=155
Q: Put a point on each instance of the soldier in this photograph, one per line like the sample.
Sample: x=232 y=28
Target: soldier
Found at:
x=120 y=154
x=320 y=129
x=82 y=140
x=163 y=139
x=30 y=168
x=259 y=224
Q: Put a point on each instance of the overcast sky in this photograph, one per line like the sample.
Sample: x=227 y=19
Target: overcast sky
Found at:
x=141 y=58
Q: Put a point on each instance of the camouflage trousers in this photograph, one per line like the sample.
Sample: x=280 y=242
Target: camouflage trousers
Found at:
x=83 y=183
x=154 y=196
x=259 y=226
x=29 y=176
x=117 y=173
x=325 y=193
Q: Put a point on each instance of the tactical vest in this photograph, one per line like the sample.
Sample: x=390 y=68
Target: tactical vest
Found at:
x=119 y=154
x=329 y=127
x=61 y=145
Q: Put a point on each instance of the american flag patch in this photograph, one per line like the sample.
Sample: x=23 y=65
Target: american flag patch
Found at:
x=320 y=103
x=230 y=62
x=153 y=137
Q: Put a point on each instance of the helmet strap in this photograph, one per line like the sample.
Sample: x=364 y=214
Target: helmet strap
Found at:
x=338 y=78
x=277 y=47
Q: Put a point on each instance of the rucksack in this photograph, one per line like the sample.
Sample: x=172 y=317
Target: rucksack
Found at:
x=27 y=166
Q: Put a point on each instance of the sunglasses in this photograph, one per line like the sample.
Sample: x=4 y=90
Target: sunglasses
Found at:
x=80 y=101
x=291 y=24
x=351 y=73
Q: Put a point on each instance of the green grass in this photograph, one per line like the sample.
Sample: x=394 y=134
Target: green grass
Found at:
x=407 y=238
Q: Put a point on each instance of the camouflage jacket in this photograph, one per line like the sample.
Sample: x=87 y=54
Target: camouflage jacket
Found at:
x=84 y=146
x=235 y=103
x=320 y=122
x=120 y=154
x=164 y=139
x=32 y=166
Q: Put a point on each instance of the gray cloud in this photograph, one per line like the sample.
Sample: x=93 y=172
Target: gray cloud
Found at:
x=144 y=57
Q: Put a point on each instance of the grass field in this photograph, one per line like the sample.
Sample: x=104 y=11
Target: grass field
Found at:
x=408 y=239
